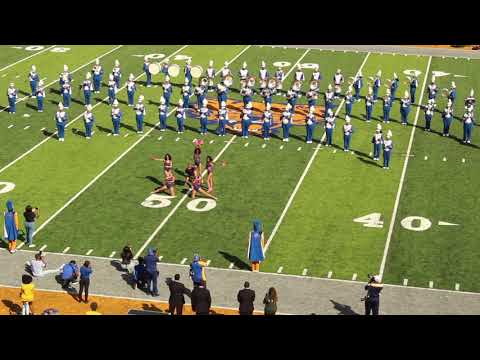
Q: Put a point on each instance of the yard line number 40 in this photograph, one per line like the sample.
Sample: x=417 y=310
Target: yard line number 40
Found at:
x=412 y=223
x=158 y=201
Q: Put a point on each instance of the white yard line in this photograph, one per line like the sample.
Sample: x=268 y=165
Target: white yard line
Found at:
x=298 y=62
x=69 y=123
x=86 y=187
x=28 y=57
x=300 y=181
x=73 y=72
x=404 y=171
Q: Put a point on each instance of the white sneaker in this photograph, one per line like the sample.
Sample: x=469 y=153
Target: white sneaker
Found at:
x=31 y=245
x=88 y=137
x=115 y=134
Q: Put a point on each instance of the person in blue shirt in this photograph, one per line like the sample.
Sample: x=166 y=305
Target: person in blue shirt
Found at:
x=88 y=120
x=97 y=72
x=11 y=226
x=222 y=119
x=12 y=98
x=61 y=119
x=148 y=74
x=117 y=74
x=64 y=75
x=387 y=106
x=186 y=92
x=85 y=274
x=447 y=117
x=310 y=123
x=387 y=150
x=140 y=274
x=405 y=107
x=197 y=271
x=347 y=134
x=413 y=88
x=131 y=88
x=116 y=118
x=255 y=246
x=452 y=94
x=87 y=89
x=429 y=111
x=395 y=83
x=377 y=141
x=33 y=78
x=468 y=123
x=67 y=92
x=40 y=96
x=376 y=85
x=349 y=102
x=167 y=90
x=140 y=113
x=188 y=72
x=369 y=105
x=151 y=261
x=69 y=274
x=357 y=85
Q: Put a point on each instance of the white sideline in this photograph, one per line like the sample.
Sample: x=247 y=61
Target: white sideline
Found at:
x=404 y=171
x=28 y=57
x=300 y=181
x=73 y=72
x=68 y=124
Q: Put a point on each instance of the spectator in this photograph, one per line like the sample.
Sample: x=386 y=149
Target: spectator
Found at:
x=11 y=227
x=27 y=295
x=93 y=309
x=177 y=298
x=270 y=302
x=30 y=215
x=201 y=299
x=246 y=297
x=38 y=266
x=140 y=275
x=85 y=273
x=51 y=311
x=197 y=271
x=69 y=274
x=151 y=268
x=127 y=257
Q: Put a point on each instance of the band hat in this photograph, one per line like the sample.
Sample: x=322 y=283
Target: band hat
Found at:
x=117 y=63
x=210 y=63
x=89 y=107
x=347 y=119
x=34 y=68
x=115 y=103
x=162 y=100
x=65 y=67
x=110 y=77
x=379 y=73
x=88 y=75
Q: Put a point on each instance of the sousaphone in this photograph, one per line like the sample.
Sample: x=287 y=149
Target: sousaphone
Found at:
x=154 y=68
x=196 y=71
x=173 y=70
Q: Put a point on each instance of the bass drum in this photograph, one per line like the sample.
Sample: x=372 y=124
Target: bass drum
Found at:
x=173 y=70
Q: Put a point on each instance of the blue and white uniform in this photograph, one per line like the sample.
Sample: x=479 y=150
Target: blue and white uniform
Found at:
x=131 y=88
x=387 y=106
x=88 y=120
x=181 y=116
x=162 y=114
x=292 y=97
x=64 y=75
x=112 y=90
x=280 y=77
x=186 y=92
x=377 y=82
x=33 y=78
x=299 y=75
x=470 y=100
x=316 y=75
x=429 y=111
x=116 y=118
x=337 y=82
x=164 y=67
x=67 y=94
x=117 y=74
x=246 y=120
x=87 y=87
x=167 y=90
x=210 y=76
x=452 y=93
x=387 y=151
x=377 y=141
x=468 y=123
x=263 y=73
x=40 y=93
x=349 y=103
x=447 y=117
x=357 y=86
x=61 y=119
x=243 y=74
x=329 y=95
x=204 y=117
x=200 y=93
x=225 y=71
x=369 y=105
x=405 y=107
x=12 y=99
x=188 y=74
x=267 y=96
x=222 y=119
x=222 y=92
x=432 y=91
x=347 y=134
x=286 y=120
x=246 y=93
x=310 y=123
x=394 y=87
x=147 y=72
x=312 y=97
x=140 y=113
x=97 y=73
x=329 y=126
x=267 y=120
x=413 y=89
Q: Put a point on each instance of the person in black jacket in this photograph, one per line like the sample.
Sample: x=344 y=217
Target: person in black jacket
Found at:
x=372 y=300
x=177 y=298
x=201 y=300
x=246 y=297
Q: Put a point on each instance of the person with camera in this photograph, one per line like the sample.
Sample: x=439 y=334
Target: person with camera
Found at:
x=38 y=266
x=69 y=274
x=30 y=215
x=372 y=299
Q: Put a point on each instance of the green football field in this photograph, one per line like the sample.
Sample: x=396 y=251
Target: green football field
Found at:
x=326 y=213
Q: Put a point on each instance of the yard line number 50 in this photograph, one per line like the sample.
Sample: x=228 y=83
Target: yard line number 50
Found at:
x=157 y=201
x=412 y=223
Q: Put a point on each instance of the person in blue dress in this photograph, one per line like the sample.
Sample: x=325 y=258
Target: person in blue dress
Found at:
x=11 y=227
x=256 y=245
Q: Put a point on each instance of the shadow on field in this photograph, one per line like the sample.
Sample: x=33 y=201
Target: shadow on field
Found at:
x=128 y=127
x=154 y=180
x=371 y=162
x=31 y=106
x=48 y=133
x=240 y=264
x=343 y=309
x=104 y=129
x=13 y=308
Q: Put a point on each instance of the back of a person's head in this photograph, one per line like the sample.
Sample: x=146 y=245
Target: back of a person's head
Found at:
x=26 y=279
x=86 y=263
x=177 y=277
x=38 y=257
x=272 y=293
x=94 y=306
x=28 y=208
x=246 y=285
x=141 y=260
x=73 y=262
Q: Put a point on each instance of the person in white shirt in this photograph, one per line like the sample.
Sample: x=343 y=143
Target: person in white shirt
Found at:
x=38 y=266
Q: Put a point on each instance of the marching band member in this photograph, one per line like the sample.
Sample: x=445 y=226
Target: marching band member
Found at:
x=432 y=89
x=247 y=93
x=67 y=92
x=413 y=88
x=286 y=119
x=87 y=88
x=162 y=114
x=470 y=100
x=267 y=93
x=61 y=119
x=164 y=68
x=225 y=70
x=316 y=74
x=88 y=120
x=369 y=104
x=131 y=88
x=97 y=76
x=394 y=86
x=387 y=150
x=140 y=113
x=429 y=110
x=117 y=73
x=349 y=101
x=222 y=118
x=405 y=108
x=310 y=123
x=246 y=120
x=146 y=69
x=347 y=134
x=188 y=73
x=112 y=89
x=467 y=127
x=338 y=81
x=329 y=126
x=452 y=93
x=387 y=106
x=40 y=96
x=210 y=76
x=12 y=98
x=377 y=141
x=167 y=90
x=292 y=97
x=312 y=97
x=204 y=117
x=34 y=79
x=243 y=75
x=280 y=76
x=267 y=119
x=186 y=92
x=447 y=116
x=299 y=75
x=200 y=94
x=376 y=85
x=64 y=74
x=357 y=85
x=180 y=115
x=221 y=94
x=116 y=118
x=329 y=94
x=263 y=73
